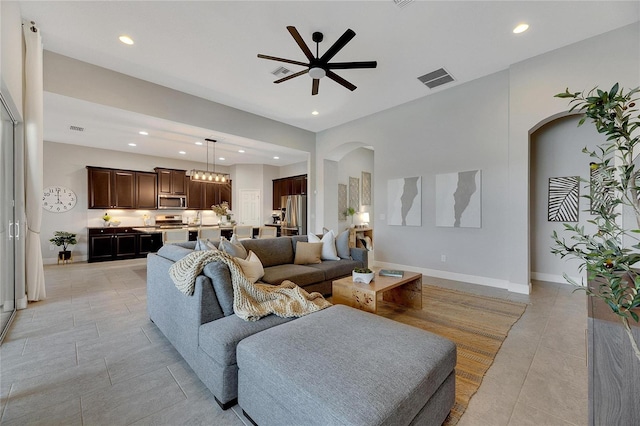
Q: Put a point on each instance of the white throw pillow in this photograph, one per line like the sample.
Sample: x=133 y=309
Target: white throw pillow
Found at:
x=328 y=245
x=251 y=267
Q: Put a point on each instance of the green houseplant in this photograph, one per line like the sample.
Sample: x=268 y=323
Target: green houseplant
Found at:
x=64 y=239
x=610 y=253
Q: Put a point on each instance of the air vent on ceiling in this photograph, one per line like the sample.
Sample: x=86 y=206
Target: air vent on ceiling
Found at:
x=436 y=78
x=76 y=128
x=281 y=71
x=402 y=3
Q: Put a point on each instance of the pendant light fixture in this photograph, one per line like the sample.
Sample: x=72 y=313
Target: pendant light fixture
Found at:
x=210 y=176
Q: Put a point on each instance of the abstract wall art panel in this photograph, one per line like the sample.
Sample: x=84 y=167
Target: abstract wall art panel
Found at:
x=342 y=201
x=404 y=207
x=366 y=188
x=564 y=196
x=458 y=199
x=354 y=193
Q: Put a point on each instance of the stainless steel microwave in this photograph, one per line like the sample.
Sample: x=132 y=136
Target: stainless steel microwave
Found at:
x=173 y=202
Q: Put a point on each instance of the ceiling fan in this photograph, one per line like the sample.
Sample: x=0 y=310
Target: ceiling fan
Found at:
x=319 y=66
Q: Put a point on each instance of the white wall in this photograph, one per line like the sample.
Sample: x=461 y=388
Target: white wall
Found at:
x=11 y=53
x=484 y=125
x=295 y=169
x=556 y=151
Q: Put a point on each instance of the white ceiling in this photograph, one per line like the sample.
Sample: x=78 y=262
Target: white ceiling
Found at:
x=209 y=48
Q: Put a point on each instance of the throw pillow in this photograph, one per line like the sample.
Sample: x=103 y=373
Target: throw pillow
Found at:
x=251 y=267
x=342 y=245
x=328 y=245
x=307 y=253
x=205 y=245
x=235 y=250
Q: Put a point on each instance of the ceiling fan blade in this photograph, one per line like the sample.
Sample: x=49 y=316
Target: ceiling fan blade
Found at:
x=289 y=77
x=288 y=61
x=301 y=43
x=351 y=65
x=339 y=44
x=314 y=87
x=335 y=77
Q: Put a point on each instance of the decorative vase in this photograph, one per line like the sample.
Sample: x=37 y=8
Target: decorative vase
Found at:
x=364 y=278
x=64 y=255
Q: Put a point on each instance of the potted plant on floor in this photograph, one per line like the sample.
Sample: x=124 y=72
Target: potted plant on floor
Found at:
x=64 y=239
x=606 y=253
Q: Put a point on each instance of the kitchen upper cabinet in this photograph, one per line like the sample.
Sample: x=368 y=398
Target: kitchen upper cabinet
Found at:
x=294 y=185
x=202 y=195
x=146 y=190
x=122 y=189
x=171 y=182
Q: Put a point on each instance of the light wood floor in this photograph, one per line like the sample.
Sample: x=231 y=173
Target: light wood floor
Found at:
x=89 y=355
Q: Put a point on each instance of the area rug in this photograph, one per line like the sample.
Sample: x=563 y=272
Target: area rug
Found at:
x=476 y=324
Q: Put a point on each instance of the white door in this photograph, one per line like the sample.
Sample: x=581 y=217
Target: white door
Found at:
x=250 y=207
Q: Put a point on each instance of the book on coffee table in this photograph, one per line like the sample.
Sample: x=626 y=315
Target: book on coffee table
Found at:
x=391 y=273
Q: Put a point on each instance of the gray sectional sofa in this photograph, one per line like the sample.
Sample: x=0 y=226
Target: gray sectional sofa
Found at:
x=203 y=327
x=338 y=366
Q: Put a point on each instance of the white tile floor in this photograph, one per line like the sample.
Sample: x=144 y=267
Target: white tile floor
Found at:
x=89 y=355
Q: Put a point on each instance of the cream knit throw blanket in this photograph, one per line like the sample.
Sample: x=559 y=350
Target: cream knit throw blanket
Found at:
x=250 y=301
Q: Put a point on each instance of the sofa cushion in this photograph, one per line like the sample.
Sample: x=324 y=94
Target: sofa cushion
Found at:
x=342 y=245
x=299 y=274
x=173 y=252
x=308 y=253
x=337 y=268
x=251 y=267
x=328 y=241
x=220 y=277
x=271 y=251
x=219 y=338
x=235 y=250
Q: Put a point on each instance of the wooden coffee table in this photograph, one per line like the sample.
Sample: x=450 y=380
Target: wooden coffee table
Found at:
x=406 y=291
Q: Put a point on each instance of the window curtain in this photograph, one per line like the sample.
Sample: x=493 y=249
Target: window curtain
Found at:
x=33 y=129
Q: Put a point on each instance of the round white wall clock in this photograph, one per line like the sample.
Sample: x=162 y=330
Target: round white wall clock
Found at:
x=58 y=199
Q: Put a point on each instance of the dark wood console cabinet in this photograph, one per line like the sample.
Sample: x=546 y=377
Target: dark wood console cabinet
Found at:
x=121 y=189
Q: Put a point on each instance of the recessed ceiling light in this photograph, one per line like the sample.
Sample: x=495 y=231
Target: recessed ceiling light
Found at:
x=126 y=39
x=276 y=158
x=521 y=28
x=315 y=113
x=143 y=133
x=132 y=144
x=198 y=143
x=182 y=152
x=241 y=151
x=221 y=158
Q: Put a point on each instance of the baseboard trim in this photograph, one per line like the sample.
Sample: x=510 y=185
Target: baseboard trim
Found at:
x=554 y=278
x=454 y=276
x=22 y=303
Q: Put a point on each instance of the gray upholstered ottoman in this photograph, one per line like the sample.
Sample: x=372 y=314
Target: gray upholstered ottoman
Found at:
x=342 y=366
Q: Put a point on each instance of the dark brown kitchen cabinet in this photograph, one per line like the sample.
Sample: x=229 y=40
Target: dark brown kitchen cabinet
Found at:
x=202 y=195
x=122 y=189
x=146 y=190
x=120 y=243
x=171 y=181
x=294 y=185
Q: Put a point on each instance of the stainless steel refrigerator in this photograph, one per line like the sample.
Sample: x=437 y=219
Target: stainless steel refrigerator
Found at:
x=295 y=215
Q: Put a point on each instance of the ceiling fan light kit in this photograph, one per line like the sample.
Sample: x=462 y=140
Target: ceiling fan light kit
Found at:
x=210 y=176
x=318 y=66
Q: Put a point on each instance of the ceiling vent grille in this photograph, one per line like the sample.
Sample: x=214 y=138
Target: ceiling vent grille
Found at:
x=436 y=78
x=281 y=71
x=402 y=3
x=76 y=128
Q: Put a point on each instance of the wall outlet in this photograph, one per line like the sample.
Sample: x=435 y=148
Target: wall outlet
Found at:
x=383 y=216
x=51 y=247
x=443 y=258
